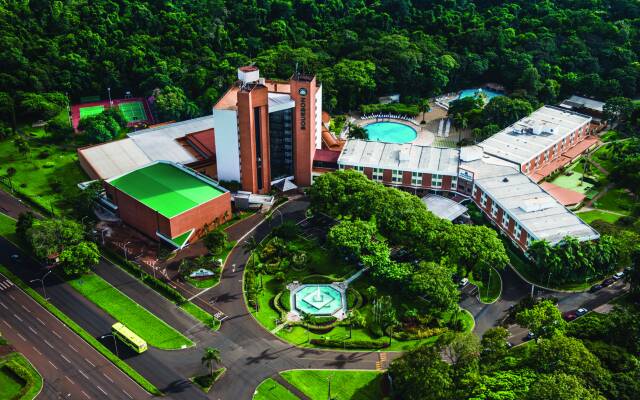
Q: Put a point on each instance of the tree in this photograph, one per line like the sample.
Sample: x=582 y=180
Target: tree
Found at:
x=8 y=109
x=210 y=357
x=433 y=283
x=494 y=346
x=543 y=319
x=100 y=127
x=351 y=239
x=503 y=111
x=11 y=172
x=79 y=258
x=215 y=241
x=421 y=374
x=384 y=315
x=172 y=104
x=357 y=132
x=24 y=223
x=424 y=107
x=560 y=387
x=51 y=236
x=22 y=145
x=461 y=351
x=618 y=109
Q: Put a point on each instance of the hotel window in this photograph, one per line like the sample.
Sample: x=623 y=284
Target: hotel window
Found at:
x=546 y=155
x=359 y=168
x=564 y=142
x=555 y=149
x=494 y=209
x=396 y=176
x=377 y=174
x=474 y=191
x=537 y=162
x=571 y=139
x=454 y=183
x=505 y=220
x=529 y=240
x=436 y=181
x=516 y=231
x=416 y=179
x=483 y=199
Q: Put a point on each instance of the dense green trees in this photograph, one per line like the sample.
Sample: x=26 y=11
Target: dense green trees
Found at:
x=103 y=127
x=360 y=49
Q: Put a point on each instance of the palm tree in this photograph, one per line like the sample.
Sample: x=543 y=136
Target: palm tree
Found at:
x=210 y=357
x=10 y=173
x=424 y=107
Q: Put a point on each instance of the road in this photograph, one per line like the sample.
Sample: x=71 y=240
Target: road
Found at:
x=70 y=367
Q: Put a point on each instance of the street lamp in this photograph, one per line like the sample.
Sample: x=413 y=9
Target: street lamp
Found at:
x=110 y=102
x=115 y=342
x=42 y=282
x=125 y=250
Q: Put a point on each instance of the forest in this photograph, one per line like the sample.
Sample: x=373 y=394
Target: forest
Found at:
x=359 y=48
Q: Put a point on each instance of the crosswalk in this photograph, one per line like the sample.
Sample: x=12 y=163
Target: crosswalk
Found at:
x=382 y=359
x=5 y=285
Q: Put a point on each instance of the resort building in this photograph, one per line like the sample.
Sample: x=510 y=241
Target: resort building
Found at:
x=499 y=175
x=266 y=131
x=543 y=142
x=168 y=201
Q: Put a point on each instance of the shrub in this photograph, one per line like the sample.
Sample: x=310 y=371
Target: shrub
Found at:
x=417 y=334
x=351 y=344
x=322 y=320
x=394 y=108
x=287 y=231
x=354 y=299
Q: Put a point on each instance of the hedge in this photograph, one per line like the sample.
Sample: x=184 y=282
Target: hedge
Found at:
x=351 y=344
x=33 y=380
x=354 y=299
x=322 y=320
x=142 y=381
x=392 y=108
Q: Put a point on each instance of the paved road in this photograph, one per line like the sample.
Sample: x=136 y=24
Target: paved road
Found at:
x=70 y=367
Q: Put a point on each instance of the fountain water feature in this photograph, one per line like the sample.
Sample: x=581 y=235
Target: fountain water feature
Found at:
x=318 y=299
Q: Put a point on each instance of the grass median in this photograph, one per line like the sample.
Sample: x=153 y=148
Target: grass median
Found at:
x=133 y=374
x=18 y=378
x=152 y=329
x=345 y=385
x=269 y=389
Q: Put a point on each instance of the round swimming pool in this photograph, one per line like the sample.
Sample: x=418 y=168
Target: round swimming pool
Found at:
x=390 y=132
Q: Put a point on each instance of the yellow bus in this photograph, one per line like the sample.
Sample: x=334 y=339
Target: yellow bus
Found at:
x=128 y=337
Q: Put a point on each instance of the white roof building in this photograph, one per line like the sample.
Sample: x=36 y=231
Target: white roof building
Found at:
x=532 y=135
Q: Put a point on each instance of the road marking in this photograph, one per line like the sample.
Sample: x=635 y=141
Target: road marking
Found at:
x=69 y=379
x=22 y=337
x=92 y=364
x=83 y=392
x=38 y=351
x=48 y=344
x=39 y=320
x=7 y=324
x=33 y=330
x=52 y=364
x=83 y=374
x=12 y=298
x=107 y=376
x=25 y=308
x=57 y=335
x=65 y=358
x=73 y=348
x=102 y=390
x=18 y=318
x=128 y=395
x=2 y=304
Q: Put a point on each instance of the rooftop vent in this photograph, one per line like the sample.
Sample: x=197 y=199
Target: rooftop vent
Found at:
x=505 y=179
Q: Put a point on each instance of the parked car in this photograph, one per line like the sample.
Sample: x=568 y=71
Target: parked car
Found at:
x=608 y=282
x=569 y=316
x=595 y=288
x=618 y=275
x=509 y=345
x=581 y=312
x=530 y=335
x=463 y=282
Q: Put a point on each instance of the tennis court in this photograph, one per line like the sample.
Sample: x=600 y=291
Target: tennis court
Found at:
x=133 y=111
x=90 y=111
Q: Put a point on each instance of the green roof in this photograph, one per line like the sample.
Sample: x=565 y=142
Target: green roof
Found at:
x=166 y=188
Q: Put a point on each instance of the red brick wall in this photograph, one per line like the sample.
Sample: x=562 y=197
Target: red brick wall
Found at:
x=406 y=178
x=247 y=101
x=426 y=180
x=446 y=182
x=202 y=215
x=134 y=213
x=368 y=172
x=304 y=137
x=386 y=176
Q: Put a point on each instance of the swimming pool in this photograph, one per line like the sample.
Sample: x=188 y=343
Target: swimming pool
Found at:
x=390 y=132
x=473 y=92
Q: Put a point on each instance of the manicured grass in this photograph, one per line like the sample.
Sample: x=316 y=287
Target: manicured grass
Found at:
x=8 y=228
x=205 y=382
x=616 y=200
x=45 y=173
x=90 y=111
x=18 y=378
x=489 y=294
x=201 y=315
x=573 y=182
x=269 y=389
x=153 y=330
x=590 y=216
x=345 y=385
x=133 y=374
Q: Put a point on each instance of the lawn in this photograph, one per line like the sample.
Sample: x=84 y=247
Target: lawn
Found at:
x=8 y=228
x=154 y=331
x=590 y=216
x=214 y=280
x=345 y=385
x=616 y=200
x=18 y=377
x=573 y=181
x=490 y=293
x=45 y=173
x=269 y=389
x=201 y=315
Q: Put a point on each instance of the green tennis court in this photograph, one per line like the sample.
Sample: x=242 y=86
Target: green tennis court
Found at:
x=90 y=111
x=166 y=189
x=133 y=111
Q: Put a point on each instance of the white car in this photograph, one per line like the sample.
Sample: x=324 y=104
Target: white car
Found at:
x=581 y=311
x=618 y=275
x=464 y=282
